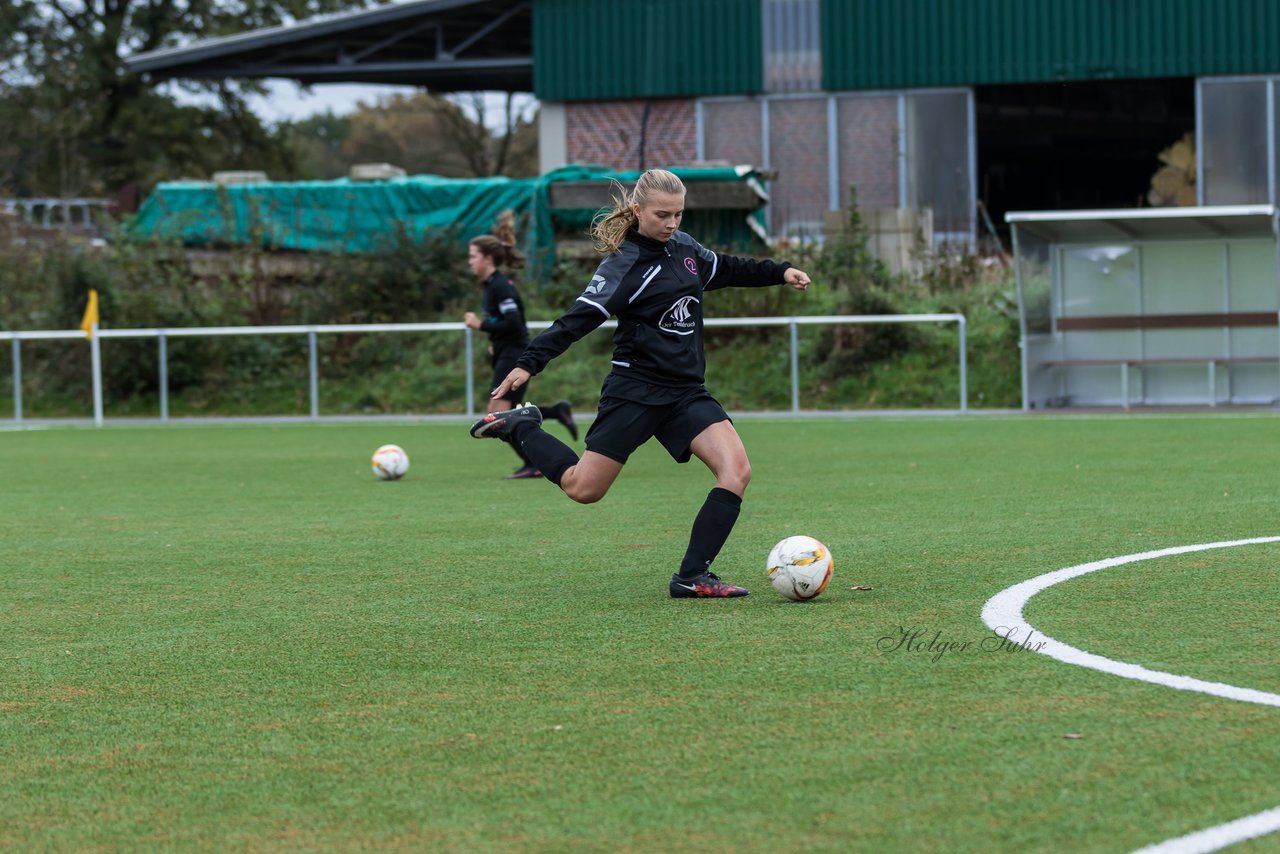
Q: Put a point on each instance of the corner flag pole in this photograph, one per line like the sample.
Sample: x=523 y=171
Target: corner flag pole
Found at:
x=89 y=323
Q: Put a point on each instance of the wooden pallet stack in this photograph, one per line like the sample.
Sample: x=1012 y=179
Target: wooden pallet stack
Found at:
x=1174 y=184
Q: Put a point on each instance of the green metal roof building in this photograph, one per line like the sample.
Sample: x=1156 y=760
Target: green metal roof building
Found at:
x=586 y=49
x=934 y=105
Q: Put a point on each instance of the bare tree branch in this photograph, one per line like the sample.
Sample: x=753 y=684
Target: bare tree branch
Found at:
x=508 y=134
x=72 y=19
x=469 y=137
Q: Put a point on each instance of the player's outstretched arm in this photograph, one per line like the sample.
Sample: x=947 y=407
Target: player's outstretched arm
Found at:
x=720 y=270
x=509 y=386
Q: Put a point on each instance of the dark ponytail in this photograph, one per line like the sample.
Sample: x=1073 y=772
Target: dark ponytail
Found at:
x=501 y=245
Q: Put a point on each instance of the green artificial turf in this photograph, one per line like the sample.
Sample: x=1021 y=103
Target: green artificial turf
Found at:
x=236 y=638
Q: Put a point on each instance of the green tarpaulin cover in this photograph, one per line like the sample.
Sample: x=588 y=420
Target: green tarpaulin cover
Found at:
x=360 y=216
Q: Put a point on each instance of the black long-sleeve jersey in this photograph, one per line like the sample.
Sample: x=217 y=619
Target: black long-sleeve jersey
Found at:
x=503 y=315
x=655 y=290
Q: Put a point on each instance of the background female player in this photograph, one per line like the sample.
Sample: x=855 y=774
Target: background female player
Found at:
x=504 y=321
x=653 y=279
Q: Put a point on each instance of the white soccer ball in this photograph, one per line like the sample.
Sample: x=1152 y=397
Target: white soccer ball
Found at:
x=390 y=462
x=799 y=568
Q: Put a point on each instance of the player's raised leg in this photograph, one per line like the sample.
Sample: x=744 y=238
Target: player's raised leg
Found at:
x=589 y=479
x=502 y=423
x=527 y=468
x=585 y=480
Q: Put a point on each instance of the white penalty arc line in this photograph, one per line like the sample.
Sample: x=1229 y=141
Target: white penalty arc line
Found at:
x=1003 y=614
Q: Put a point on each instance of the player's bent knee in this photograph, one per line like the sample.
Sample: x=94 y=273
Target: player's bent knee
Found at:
x=582 y=489
x=735 y=477
x=584 y=494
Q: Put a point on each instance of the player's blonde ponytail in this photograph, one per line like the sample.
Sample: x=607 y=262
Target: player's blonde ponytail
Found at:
x=610 y=226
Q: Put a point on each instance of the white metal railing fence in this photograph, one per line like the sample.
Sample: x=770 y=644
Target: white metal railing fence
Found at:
x=312 y=332
x=68 y=214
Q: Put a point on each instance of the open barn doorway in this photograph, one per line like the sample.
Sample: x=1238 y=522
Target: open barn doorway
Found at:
x=1076 y=145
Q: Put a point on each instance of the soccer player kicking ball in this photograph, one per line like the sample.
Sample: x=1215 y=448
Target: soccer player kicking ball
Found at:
x=652 y=279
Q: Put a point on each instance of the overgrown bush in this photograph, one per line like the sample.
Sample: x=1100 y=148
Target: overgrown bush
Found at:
x=152 y=285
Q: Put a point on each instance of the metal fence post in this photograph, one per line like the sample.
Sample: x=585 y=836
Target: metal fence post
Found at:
x=313 y=369
x=471 y=380
x=95 y=357
x=964 y=367
x=164 y=377
x=17 y=379
x=795 y=369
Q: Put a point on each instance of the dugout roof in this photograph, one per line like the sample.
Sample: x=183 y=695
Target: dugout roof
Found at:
x=1139 y=224
x=443 y=45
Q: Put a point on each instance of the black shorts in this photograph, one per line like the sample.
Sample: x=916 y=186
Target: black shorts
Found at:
x=503 y=363
x=622 y=425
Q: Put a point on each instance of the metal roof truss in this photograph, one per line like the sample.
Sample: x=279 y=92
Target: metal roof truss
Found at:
x=439 y=44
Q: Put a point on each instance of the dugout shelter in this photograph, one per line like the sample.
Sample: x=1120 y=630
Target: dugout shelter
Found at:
x=1148 y=307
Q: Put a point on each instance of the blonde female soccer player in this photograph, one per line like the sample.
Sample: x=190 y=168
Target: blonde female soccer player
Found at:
x=653 y=279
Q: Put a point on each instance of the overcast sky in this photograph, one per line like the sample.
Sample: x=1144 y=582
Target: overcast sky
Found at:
x=288 y=101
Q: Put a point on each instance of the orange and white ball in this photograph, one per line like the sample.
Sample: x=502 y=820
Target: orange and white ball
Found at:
x=390 y=462
x=799 y=568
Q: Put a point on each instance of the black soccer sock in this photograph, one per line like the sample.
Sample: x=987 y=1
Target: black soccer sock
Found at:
x=711 y=527
x=543 y=451
x=528 y=463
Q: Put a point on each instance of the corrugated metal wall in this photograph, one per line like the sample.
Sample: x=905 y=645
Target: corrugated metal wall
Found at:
x=792 y=45
x=881 y=44
x=614 y=49
x=607 y=49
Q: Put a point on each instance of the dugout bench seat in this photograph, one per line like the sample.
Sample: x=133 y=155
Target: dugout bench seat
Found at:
x=1099 y=323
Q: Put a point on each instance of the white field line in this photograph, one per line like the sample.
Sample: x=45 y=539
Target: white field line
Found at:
x=1219 y=837
x=1003 y=615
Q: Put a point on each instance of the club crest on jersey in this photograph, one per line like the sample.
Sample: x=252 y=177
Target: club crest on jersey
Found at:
x=691 y=265
x=679 y=320
x=597 y=285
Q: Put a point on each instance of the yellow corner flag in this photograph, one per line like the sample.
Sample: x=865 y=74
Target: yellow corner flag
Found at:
x=90 y=314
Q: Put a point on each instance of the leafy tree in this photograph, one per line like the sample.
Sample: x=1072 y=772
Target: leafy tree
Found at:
x=425 y=133
x=318 y=142
x=13 y=18
x=406 y=131
x=90 y=126
x=74 y=121
x=514 y=151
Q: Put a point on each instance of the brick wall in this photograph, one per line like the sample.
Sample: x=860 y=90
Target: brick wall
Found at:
x=608 y=133
x=800 y=197
x=732 y=130
x=868 y=140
